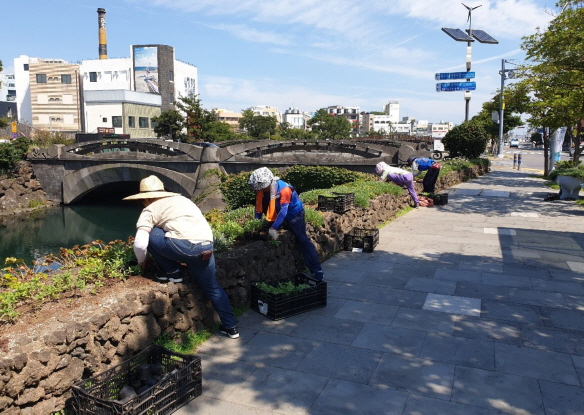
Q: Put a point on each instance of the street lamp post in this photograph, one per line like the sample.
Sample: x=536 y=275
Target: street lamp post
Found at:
x=469 y=37
x=505 y=74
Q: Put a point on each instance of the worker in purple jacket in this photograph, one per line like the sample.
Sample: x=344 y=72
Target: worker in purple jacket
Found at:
x=398 y=176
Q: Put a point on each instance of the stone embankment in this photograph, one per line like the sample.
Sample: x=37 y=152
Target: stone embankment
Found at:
x=46 y=352
x=19 y=193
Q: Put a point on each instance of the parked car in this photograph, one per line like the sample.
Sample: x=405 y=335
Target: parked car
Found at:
x=572 y=149
x=514 y=143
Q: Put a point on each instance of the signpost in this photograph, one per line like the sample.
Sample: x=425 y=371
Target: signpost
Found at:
x=454 y=75
x=14 y=129
x=456 y=86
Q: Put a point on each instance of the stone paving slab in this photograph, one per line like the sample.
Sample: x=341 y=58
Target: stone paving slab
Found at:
x=430 y=286
x=487 y=329
x=520 y=313
x=566 y=319
x=418 y=405
x=510 y=394
x=280 y=390
x=341 y=362
x=537 y=364
x=415 y=375
x=483 y=291
x=346 y=398
x=424 y=320
x=367 y=312
x=459 y=350
x=553 y=339
x=390 y=339
x=559 y=399
x=453 y=304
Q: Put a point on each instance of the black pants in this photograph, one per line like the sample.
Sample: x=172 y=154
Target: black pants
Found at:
x=430 y=178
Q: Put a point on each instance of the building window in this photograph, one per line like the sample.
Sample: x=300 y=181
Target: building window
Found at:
x=172 y=98
x=92 y=76
x=132 y=121
x=104 y=119
x=117 y=121
x=65 y=79
x=26 y=66
x=171 y=76
x=143 y=122
x=41 y=78
x=153 y=124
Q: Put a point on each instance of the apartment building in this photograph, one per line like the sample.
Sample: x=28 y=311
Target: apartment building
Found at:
x=351 y=114
x=230 y=118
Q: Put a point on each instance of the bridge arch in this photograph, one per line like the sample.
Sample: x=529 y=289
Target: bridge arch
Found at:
x=80 y=182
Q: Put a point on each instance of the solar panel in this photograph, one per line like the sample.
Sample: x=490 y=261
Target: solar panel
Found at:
x=483 y=36
x=457 y=35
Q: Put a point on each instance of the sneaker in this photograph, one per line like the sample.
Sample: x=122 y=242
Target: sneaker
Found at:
x=162 y=276
x=232 y=332
x=318 y=275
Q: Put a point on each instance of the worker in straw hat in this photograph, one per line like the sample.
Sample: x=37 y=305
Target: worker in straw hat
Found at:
x=279 y=202
x=173 y=230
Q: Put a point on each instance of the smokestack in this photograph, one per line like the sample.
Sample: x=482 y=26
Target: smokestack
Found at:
x=102 y=38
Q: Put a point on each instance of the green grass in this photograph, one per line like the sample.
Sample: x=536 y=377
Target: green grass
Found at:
x=552 y=185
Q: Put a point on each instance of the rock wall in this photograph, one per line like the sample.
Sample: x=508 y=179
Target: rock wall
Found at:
x=42 y=360
x=16 y=193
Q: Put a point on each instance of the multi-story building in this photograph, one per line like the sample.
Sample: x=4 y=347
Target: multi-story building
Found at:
x=439 y=130
x=383 y=124
x=295 y=118
x=47 y=93
x=122 y=93
x=8 y=96
x=392 y=110
x=351 y=114
x=267 y=111
x=230 y=118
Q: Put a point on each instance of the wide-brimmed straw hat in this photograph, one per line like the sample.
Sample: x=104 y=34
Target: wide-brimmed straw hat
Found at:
x=151 y=188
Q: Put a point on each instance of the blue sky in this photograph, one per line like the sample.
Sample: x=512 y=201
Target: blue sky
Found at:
x=303 y=53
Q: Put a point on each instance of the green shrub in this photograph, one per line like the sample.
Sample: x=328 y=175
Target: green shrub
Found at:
x=313 y=217
x=364 y=189
x=566 y=168
x=468 y=140
x=11 y=153
x=305 y=178
x=236 y=191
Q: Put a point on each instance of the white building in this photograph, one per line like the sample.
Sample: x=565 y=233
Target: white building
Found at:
x=351 y=114
x=439 y=129
x=7 y=87
x=392 y=110
x=295 y=118
x=383 y=124
x=267 y=111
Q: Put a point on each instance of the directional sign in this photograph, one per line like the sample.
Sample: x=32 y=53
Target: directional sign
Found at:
x=456 y=86
x=454 y=75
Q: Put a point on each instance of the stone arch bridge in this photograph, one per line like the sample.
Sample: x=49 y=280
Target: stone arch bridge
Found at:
x=70 y=173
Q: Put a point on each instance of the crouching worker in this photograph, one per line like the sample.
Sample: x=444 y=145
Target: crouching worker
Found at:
x=398 y=176
x=431 y=168
x=173 y=230
x=279 y=202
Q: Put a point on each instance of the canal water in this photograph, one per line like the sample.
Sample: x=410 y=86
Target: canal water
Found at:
x=34 y=235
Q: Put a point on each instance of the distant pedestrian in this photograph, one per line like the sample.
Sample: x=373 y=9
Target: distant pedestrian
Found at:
x=279 y=202
x=432 y=169
x=398 y=176
x=173 y=230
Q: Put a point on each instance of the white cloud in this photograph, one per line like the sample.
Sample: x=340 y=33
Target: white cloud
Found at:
x=250 y=34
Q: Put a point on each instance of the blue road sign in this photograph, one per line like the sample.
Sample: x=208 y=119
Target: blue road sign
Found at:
x=456 y=86
x=454 y=75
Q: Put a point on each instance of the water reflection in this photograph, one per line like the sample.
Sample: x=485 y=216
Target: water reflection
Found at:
x=35 y=235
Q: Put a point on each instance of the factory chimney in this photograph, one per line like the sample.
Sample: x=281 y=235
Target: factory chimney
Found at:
x=102 y=37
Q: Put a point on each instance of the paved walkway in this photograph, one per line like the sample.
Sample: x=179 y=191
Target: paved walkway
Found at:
x=476 y=307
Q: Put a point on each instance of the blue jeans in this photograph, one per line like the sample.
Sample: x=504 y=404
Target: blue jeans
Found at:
x=297 y=226
x=168 y=252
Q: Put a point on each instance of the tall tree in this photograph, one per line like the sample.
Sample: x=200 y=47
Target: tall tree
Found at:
x=556 y=71
x=328 y=127
x=258 y=126
x=169 y=124
x=196 y=118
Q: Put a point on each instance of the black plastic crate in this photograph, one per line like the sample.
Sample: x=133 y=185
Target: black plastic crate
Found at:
x=365 y=239
x=177 y=377
x=338 y=203
x=279 y=306
x=440 y=199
